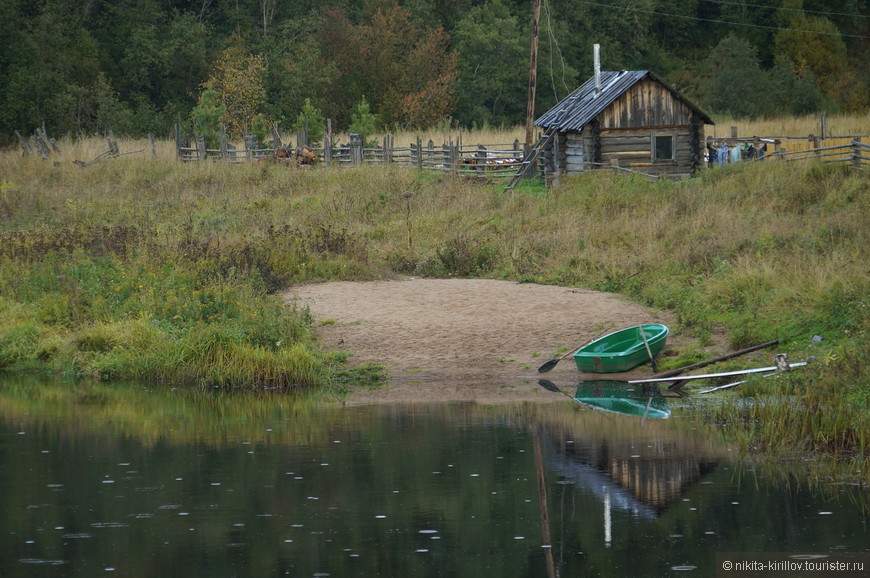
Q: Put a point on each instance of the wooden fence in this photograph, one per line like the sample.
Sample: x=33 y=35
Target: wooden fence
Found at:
x=40 y=144
x=491 y=160
x=840 y=149
x=494 y=161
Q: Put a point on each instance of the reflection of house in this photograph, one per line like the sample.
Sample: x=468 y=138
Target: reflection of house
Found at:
x=632 y=119
x=658 y=482
x=643 y=482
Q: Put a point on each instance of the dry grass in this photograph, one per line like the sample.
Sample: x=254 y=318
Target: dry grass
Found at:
x=837 y=125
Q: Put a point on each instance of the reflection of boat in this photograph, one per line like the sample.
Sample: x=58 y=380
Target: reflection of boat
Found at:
x=622 y=397
x=622 y=350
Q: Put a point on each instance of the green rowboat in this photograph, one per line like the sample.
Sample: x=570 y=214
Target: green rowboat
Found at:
x=622 y=350
x=624 y=398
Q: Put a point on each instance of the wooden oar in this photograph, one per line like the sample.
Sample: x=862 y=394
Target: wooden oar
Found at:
x=550 y=386
x=552 y=363
x=648 y=350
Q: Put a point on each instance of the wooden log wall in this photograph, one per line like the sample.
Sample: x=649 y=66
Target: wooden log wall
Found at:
x=624 y=148
x=634 y=149
x=646 y=104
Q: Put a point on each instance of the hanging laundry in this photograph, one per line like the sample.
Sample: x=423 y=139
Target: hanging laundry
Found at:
x=735 y=154
x=722 y=155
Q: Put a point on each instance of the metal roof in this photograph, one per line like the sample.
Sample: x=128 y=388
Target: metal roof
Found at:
x=581 y=106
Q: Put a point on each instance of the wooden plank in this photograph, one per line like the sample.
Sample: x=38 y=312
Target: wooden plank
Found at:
x=647 y=103
x=647 y=130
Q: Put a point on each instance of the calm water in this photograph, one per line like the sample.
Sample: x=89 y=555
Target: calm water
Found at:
x=127 y=481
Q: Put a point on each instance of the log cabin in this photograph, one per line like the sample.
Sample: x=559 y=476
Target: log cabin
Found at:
x=627 y=119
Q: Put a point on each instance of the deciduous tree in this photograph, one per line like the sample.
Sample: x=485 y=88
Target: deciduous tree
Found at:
x=812 y=45
x=238 y=79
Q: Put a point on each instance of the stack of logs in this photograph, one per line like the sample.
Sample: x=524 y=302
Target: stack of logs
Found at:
x=300 y=156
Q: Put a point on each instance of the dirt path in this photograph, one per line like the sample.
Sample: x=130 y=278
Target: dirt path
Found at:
x=465 y=339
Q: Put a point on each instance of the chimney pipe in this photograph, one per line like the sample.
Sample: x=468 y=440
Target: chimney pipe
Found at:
x=597 y=64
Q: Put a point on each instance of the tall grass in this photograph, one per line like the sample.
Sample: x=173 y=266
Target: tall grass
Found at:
x=151 y=268
x=794 y=126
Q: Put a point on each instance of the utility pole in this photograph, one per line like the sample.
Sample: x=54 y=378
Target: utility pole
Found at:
x=533 y=76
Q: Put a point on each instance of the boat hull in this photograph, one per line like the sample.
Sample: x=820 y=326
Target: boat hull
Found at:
x=620 y=397
x=621 y=350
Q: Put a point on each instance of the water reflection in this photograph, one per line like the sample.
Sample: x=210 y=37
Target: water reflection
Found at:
x=143 y=482
x=639 y=400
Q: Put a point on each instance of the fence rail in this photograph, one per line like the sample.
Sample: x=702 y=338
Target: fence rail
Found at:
x=507 y=161
x=855 y=152
x=491 y=161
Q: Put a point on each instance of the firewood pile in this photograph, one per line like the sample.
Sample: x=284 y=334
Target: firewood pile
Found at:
x=490 y=160
x=300 y=156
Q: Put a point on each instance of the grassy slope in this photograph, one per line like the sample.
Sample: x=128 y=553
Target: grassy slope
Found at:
x=180 y=260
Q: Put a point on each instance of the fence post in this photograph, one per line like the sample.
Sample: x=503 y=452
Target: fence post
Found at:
x=276 y=137
x=25 y=146
x=419 y=150
x=178 y=142
x=356 y=152
x=327 y=149
x=201 y=151
x=388 y=149
x=112 y=144
x=856 y=152
x=49 y=144
x=251 y=143
x=327 y=143
x=529 y=169
x=481 y=161
x=223 y=142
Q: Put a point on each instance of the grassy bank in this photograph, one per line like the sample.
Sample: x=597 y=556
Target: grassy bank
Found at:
x=151 y=269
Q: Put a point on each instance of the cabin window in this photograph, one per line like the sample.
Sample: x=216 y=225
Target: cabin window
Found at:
x=663 y=148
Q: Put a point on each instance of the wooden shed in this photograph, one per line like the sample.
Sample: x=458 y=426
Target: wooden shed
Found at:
x=631 y=119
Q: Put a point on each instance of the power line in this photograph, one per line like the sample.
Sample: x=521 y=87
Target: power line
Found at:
x=554 y=42
x=695 y=18
x=787 y=9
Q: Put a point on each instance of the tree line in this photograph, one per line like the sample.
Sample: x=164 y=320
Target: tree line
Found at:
x=140 y=66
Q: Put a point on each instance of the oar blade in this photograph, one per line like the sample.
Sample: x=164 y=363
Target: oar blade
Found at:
x=549 y=385
x=548 y=366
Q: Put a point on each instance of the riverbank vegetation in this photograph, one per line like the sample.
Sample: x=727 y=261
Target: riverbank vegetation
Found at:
x=151 y=269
